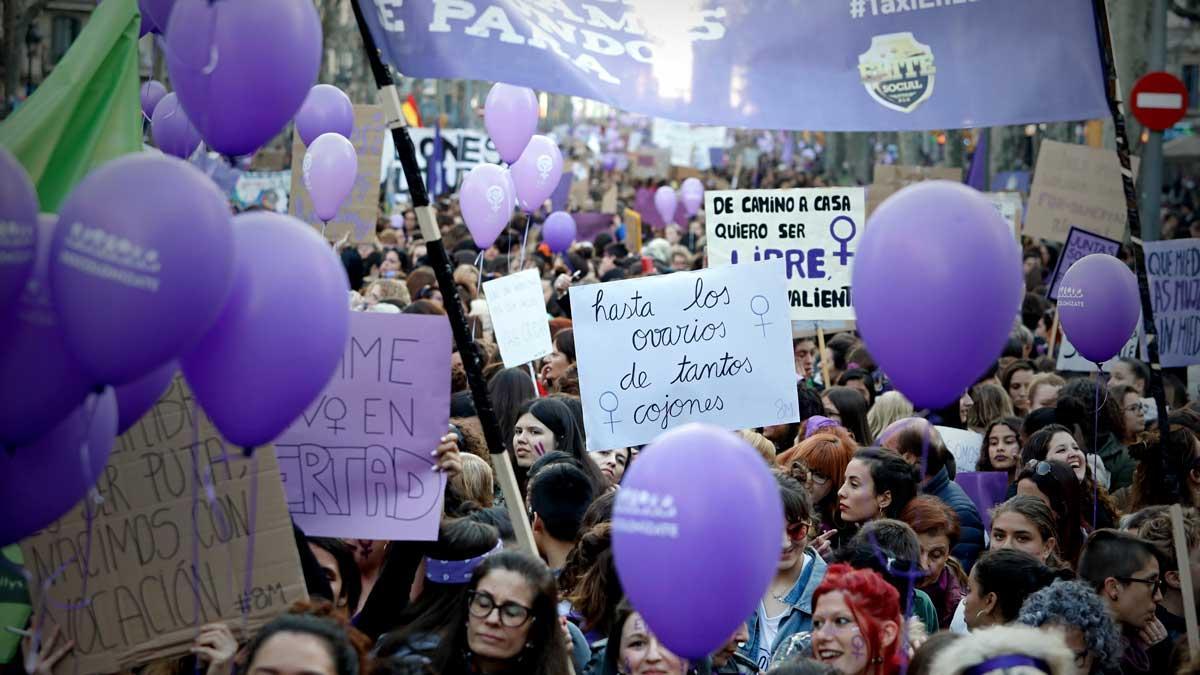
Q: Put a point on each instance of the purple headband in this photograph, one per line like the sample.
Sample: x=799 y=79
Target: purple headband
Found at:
x=456 y=571
x=1008 y=661
x=816 y=423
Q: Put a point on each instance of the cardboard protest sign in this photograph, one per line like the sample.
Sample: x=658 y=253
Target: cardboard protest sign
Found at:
x=712 y=346
x=360 y=210
x=890 y=178
x=146 y=598
x=1080 y=243
x=358 y=463
x=518 y=310
x=1010 y=207
x=963 y=444
x=814 y=231
x=1076 y=185
x=1173 y=270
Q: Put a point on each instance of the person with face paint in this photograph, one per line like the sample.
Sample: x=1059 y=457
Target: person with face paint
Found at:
x=856 y=623
x=545 y=425
x=633 y=649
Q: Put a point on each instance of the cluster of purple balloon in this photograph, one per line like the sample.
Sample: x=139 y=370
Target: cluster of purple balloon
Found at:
x=666 y=201
x=489 y=192
x=325 y=122
x=104 y=303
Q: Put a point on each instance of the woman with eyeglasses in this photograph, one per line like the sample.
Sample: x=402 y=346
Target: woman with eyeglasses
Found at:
x=1072 y=609
x=819 y=462
x=856 y=623
x=1056 y=443
x=1055 y=484
x=1130 y=401
x=508 y=622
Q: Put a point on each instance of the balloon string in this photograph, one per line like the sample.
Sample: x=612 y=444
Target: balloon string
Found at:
x=195 y=453
x=1096 y=445
x=249 y=578
x=324 y=224
x=524 y=241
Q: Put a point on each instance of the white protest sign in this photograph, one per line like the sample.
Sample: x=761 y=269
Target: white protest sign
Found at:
x=518 y=310
x=462 y=150
x=963 y=444
x=1008 y=205
x=815 y=231
x=1070 y=361
x=712 y=346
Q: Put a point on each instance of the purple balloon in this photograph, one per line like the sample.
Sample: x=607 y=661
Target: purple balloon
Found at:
x=158 y=12
x=326 y=110
x=693 y=195
x=510 y=114
x=537 y=172
x=934 y=252
x=330 y=165
x=665 y=202
x=18 y=229
x=141 y=266
x=245 y=371
x=486 y=198
x=559 y=231
x=42 y=481
x=147 y=26
x=720 y=528
x=173 y=132
x=137 y=397
x=1099 y=306
x=242 y=67
x=41 y=382
x=152 y=92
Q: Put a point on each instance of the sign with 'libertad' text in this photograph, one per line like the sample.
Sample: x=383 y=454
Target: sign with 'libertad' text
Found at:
x=712 y=346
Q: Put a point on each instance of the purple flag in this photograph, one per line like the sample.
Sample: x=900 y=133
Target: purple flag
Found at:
x=838 y=65
x=986 y=489
x=976 y=176
x=562 y=193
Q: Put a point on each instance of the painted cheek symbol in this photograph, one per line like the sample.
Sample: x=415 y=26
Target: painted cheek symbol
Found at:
x=541 y=449
x=858 y=646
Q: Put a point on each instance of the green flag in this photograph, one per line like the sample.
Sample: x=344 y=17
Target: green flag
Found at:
x=14 y=601
x=87 y=111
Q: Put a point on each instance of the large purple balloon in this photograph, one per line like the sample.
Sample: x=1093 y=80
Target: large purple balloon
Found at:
x=42 y=481
x=158 y=12
x=173 y=132
x=242 y=67
x=329 y=167
x=326 y=110
x=559 y=231
x=141 y=265
x=695 y=550
x=1098 y=306
x=537 y=172
x=18 y=229
x=511 y=116
x=137 y=397
x=152 y=92
x=281 y=335
x=693 y=195
x=936 y=286
x=40 y=380
x=486 y=198
x=666 y=202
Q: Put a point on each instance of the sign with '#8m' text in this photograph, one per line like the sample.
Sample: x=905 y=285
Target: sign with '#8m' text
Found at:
x=712 y=346
x=814 y=231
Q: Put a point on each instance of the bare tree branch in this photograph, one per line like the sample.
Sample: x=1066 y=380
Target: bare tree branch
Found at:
x=1191 y=12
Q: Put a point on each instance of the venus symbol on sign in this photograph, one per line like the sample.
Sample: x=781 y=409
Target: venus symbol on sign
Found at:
x=609 y=404
x=843 y=255
x=759 y=305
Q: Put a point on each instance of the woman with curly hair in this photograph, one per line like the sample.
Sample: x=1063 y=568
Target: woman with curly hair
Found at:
x=857 y=624
x=1168 y=472
x=1055 y=443
x=1073 y=609
x=589 y=582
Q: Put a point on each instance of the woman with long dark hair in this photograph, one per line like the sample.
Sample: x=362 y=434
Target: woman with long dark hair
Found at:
x=878 y=484
x=555 y=365
x=546 y=425
x=848 y=407
x=1055 y=443
x=1001 y=449
x=1168 y=469
x=1056 y=485
x=1077 y=410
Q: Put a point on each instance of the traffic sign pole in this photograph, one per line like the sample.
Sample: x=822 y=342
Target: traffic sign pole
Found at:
x=1152 y=154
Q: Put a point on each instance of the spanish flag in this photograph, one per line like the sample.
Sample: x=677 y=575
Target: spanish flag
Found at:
x=412 y=114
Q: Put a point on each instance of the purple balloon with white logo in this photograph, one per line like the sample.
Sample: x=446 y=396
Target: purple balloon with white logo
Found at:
x=666 y=202
x=559 y=231
x=1099 y=306
x=326 y=110
x=693 y=195
x=152 y=92
x=141 y=264
x=486 y=197
x=242 y=68
x=42 y=481
x=510 y=114
x=281 y=335
x=537 y=172
x=18 y=229
x=667 y=511
x=330 y=165
x=173 y=132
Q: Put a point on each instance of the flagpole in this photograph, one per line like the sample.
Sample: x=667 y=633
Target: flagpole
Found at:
x=1112 y=90
x=438 y=259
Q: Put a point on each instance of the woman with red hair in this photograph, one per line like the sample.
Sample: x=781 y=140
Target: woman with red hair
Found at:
x=856 y=626
x=819 y=462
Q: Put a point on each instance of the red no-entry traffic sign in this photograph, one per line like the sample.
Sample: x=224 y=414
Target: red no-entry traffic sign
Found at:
x=1159 y=100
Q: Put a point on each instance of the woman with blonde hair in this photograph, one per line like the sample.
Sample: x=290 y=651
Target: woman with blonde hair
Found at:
x=760 y=443
x=888 y=408
x=991 y=403
x=386 y=289
x=474 y=483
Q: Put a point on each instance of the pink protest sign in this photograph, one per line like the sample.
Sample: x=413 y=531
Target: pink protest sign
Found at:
x=358 y=463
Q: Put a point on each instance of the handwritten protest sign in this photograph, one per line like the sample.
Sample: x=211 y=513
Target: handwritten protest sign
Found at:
x=358 y=463
x=1173 y=269
x=268 y=189
x=1076 y=185
x=361 y=208
x=518 y=310
x=1070 y=361
x=711 y=346
x=1080 y=243
x=142 y=588
x=462 y=150
x=814 y=231
x=963 y=444
x=1009 y=206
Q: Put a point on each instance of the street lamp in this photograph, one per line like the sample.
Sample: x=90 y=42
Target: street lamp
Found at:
x=33 y=37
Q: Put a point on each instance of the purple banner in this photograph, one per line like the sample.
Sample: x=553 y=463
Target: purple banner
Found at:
x=836 y=65
x=588 y=224
x=1080 y=242
x=358 y=463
